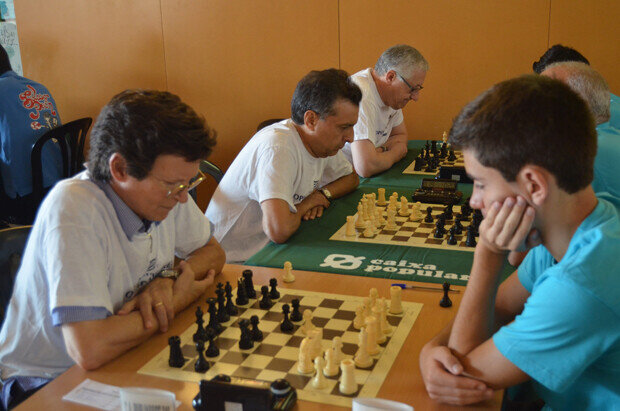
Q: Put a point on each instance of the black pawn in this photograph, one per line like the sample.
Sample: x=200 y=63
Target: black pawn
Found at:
x=452 y=238
x=201 y=365
x=242 y=297
x=458 y=227
x=429 y=215
x=296 y=314
x=274 y=294
x=470 y=241
x=200 y=334
x=176 y=359
x=448 y=212
x=438 y=230
x=451 y=156
x=213 y=350
x=257 y=335
x=265 y=302
x=249 y=285
x=222 y=314
x=286 y=325
x=419 y=163
x=445 y=301
x=245 y=342
x=231 y=309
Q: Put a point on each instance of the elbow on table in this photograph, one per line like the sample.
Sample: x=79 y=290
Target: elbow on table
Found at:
x=86 y=357
x=278 y=235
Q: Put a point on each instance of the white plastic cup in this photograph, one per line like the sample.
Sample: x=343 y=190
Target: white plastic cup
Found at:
x=378 y=404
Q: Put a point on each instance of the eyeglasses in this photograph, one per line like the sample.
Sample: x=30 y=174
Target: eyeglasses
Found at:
x=411 y=88
x=193 y=183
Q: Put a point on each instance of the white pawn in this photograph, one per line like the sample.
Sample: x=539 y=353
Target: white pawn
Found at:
x=373 y=294
x=362 y=359
x=358 y=321
x=381 y=199
x=319 y=381
x=350 y=226
x=396 y=306
x=288 y=276
x=307 y=325
x=359 y=217
x=404 y=207
x=371 y=329
x=331 y=366
x=376 y=312
x=337 y=347
x=416 y=213
x=379 y=218
x=304 y=364
x=348 y=385
x=369 y=231
x=391 y=219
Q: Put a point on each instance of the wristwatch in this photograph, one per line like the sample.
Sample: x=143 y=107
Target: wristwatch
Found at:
x=169 y=273
x=383 y=149
x=326 y=193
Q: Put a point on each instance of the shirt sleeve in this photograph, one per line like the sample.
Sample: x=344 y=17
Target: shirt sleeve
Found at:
x=366 y=127
x=192 y=229
x=534 y=263
x=398 y=118
x=561 y=331
x=336 y=166
x=276 y=170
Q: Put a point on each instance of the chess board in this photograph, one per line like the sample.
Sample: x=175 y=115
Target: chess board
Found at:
x=411 y=233
x=276 y=356
x=458 y=162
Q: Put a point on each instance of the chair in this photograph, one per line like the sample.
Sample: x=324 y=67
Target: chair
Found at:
x=211 y=169
x=71 y=135
x=12 y=243
x=268 y=122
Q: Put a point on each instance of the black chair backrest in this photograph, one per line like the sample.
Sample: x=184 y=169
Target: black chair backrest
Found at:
x=268 y=122
x=12 y=244
x=211 y=169
x=72 y=136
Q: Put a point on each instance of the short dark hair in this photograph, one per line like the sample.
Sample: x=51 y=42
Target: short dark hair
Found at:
x=141 y=125
x=557 y=53
x=530 y=120
x=5 y=63
x=319 y=90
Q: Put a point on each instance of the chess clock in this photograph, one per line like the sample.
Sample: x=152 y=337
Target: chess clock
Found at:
x=241 y=394
x=437 y=191
x=456 y=173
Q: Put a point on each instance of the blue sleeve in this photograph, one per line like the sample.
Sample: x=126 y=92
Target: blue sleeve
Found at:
x=534 y=264
x=561 y=331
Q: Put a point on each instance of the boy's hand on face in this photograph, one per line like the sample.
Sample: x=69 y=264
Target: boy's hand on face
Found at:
x=508 y=226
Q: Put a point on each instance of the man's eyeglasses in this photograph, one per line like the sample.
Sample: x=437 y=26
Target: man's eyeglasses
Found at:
x=412 y=89
x=193 y=183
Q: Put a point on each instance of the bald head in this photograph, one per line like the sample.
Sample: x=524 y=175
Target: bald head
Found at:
x=586 y=82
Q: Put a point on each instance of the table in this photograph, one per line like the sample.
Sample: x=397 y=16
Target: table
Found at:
x=310 y=248
x=403 y=384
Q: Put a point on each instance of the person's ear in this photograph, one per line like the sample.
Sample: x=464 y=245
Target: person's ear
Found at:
x=118 y=168
x=390 y=76
x=534 y=181
x=311 y=119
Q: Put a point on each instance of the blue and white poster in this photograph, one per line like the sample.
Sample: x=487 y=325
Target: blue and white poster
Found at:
x=8 y=35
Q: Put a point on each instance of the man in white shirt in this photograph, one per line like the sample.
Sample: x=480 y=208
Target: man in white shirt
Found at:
x=98 y=274
x=290 y=170
x=380 y=132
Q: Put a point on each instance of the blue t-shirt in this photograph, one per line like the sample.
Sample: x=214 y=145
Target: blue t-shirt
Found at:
x=568 y=336
x=614 y=109
x=27 y=111
x=607 y=161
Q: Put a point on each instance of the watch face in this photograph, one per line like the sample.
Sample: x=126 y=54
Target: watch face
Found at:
x=169 y=273
x=326 y=193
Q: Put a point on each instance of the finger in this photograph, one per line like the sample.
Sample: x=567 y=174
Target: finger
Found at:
x=128 y=307
x=465 y=399
x=501 y=217
x=146 y=310
x=512 y=230
x=489 y=218
x=313 y=213
x=319 y=212
x=168 y=306
x=160 y=312
x=523 y=230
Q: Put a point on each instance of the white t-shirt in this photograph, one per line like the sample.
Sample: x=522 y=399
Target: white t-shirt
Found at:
x=376 y=120
x=273 y=164
x=79 y=264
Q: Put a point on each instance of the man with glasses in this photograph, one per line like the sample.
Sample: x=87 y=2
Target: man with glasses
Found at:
x=290 y=170
x=380 y=132
x=98 y=274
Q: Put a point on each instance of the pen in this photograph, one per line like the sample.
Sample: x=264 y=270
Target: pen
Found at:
x=421 y=287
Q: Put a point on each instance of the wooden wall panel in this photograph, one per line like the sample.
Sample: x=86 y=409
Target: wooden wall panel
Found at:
x=593 y=29
x=238 y=64
x=87 y=51
x=469 y=46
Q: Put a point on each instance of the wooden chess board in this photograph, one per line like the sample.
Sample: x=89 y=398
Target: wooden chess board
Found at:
x=277 y=355
x=458 y=162
x=412 y=233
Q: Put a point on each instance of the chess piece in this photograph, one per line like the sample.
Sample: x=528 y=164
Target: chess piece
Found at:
x=391 y=219
x=274 y=294
x=444 y=137
x=222 y=314
x=304 y=363
x=316 y=338
x=348 y=385
x=286 y=325
x=369 y=231
x=385 y=326
x=176 y=359
x=445 y=301
x=458 y=226
x=439 y=230
x=359 y=217
x=201 y=364
x=331 y=366
x=296 y=314
x=451 y=155
x=213 y=350
x=319 y=381
x=337 y=347
x=200 y=334
x=265 y=302
x=394 y=200
x=396 y=306
x=231 y=309
x=447 y=211
x=371 y=329
x=381 y=197
x=373 y=294
x=245 y=342
x=367 y=307
x=214 y=324
x=416 y=214
x=361 y=358
x=256 y=334
x=350 y=230
x=470 y=240
x=242 y=297
x=419 y=163
x=249 y=285
x=288 y=276
x=376 y=312
x=358 y=321
x=307 y=325
x=452 y=238
x=429 y=215
x=404 y=207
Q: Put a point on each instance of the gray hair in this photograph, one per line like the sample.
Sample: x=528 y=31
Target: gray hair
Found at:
x=403 y=59
x=589 y=84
